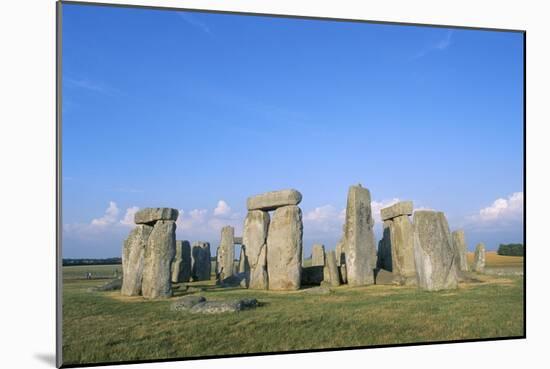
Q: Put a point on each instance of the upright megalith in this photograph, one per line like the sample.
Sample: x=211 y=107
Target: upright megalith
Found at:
x=243 y=262
x=159 y=253
x=318 y=255
x=359 y=244
x=331 y=273
x=226 y=254
x=272 y=200
x=201 y=266
x=256 y=225
x=181 y=266
x=133 y=254
x=434 y=254
x=284 y=248
x=459 y=243
x=384 y=255
x=399 y=241
x=479 y=258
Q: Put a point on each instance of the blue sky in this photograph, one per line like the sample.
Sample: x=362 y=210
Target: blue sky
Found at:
x=198 y=111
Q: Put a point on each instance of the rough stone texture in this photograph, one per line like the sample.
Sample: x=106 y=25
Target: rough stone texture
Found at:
x=133 y=254
x=402 y=250
x=384 y=277
x=400 y=208
x=384 y=255
x=360 y=249
x=217 y=307
x=284 y=245
x=226 y=254
x=243 y=263
x=151 y=215
x=343 y=273
x=479 y=258
x=434 y=254
x=312 y=275
x=321 y=290
x=318 y=255
x=459 y=243
x=340 y=252
x=272 y=200
x=332 y=276
x=159 y=253
x=186 y=302
x=238 y=240
x=256 y=225
x=115 y=284
x=181 y=266
x=200 y=261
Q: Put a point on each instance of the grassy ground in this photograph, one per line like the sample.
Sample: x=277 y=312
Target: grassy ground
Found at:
x=105 y=327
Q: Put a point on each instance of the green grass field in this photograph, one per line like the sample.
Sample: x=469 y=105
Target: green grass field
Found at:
x=105 y=327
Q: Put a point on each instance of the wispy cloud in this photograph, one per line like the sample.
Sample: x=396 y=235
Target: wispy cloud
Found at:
x=94 y=86
x=194 y=22
x=440 y=45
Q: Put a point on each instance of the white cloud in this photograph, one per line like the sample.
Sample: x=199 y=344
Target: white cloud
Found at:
x=110 y=216
x=376 y=206
x=128 y=219
x=440 y=45
x=222 y=208
x=510 y=208
x=323 y=219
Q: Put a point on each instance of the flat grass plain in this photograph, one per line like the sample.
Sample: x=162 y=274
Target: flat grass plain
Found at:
x=101 y=327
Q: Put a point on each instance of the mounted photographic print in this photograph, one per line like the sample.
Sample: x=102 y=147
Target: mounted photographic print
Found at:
x=246 y=184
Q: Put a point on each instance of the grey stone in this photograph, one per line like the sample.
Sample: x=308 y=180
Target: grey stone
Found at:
x=243 y=262
x=201 y=266
x=272 y=200
x=402 y=250
x=384 y=277
x=218 y=307
x=340 y=252
x=479 y=258
x=318 y=255
x=238 y=240
x=284 y=245
x=360 y=249
x=256 y=225
x=398 y=209
x=312 y=275
x=151 y=215
x=459 y=243
x=384 y=255
x=114 y=285
x=186 y=302
x=181 y=266
x=434 y=254
x=133 y=254
x=332 y=276
x=159 y=253
x=226 y=254
x=321 y=290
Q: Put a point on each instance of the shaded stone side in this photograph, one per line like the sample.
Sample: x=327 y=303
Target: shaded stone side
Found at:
x=256 y=225
x=133 y=254
x=181 y=266
x=459 y=243
x=479 y=258
x=159 y=253
x=433 y=252
x=318 y=255
x=200 y=261
x=284 y=249
x=384 y=255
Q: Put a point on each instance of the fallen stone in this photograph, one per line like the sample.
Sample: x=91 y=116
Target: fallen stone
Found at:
x=151 y=215
x=201 y=266
x=272 y=200
x=133 y=254
x=398 y=209
x=114 y=285
x=256 y=225
x=284 y=245
x=186 y=302
x=218 y=307
x=459 y=243
x=159 y=253
x=321 y=290
x=181 y=266
x=479 y=258
x=318 y=255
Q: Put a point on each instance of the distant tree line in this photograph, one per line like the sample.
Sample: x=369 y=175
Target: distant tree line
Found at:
x=108 y=261
x=511 y=249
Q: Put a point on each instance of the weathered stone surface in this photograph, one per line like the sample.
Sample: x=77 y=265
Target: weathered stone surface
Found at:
x=159 y=253
x=243 y=263
x=133 y=254
x=151 y=215
x=384 y=277
x=318 y=255
x=284 y=245
x=272 y=200
x=343 y=273
x=340 y=252
x=186 y=302
x=218 y=307
x=115 y=284
x=181 y=266
x=360 y=249
x=256 y=225
x=332 y=276
x=402 y=250
x=398 y=209
x=321 y=290
x=479 y=258
x=434 y=254
x=384 y=255
x=237 y=240
x=459 y=243
x=226 y=254
x=312 y=275
x=200 y=261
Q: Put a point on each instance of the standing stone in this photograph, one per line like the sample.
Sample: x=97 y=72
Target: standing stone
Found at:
x=434 y=254
x=284 y=245
x=340 y=252
x=459 y=243
x=402 y=250
x=133 y=254
x=479 y=258
x=256 y=225
x=181 y=266
x=243 y=263
x=159 y=253
x=200 y=261
x=384 y=260
x=318 y=255
x=332 y=275
x=226 y=253
x=360 y=248
x=272 y=200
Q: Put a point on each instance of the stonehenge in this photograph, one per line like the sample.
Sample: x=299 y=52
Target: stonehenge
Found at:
x=434 y=256
x=200 y=261
x=181 y=266
x=479 y=258
x=148 y=253
x=318 y=255
x=459 y=243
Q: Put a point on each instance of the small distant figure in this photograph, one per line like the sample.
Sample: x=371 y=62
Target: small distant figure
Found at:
x=88 y=275
x=116 y=273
